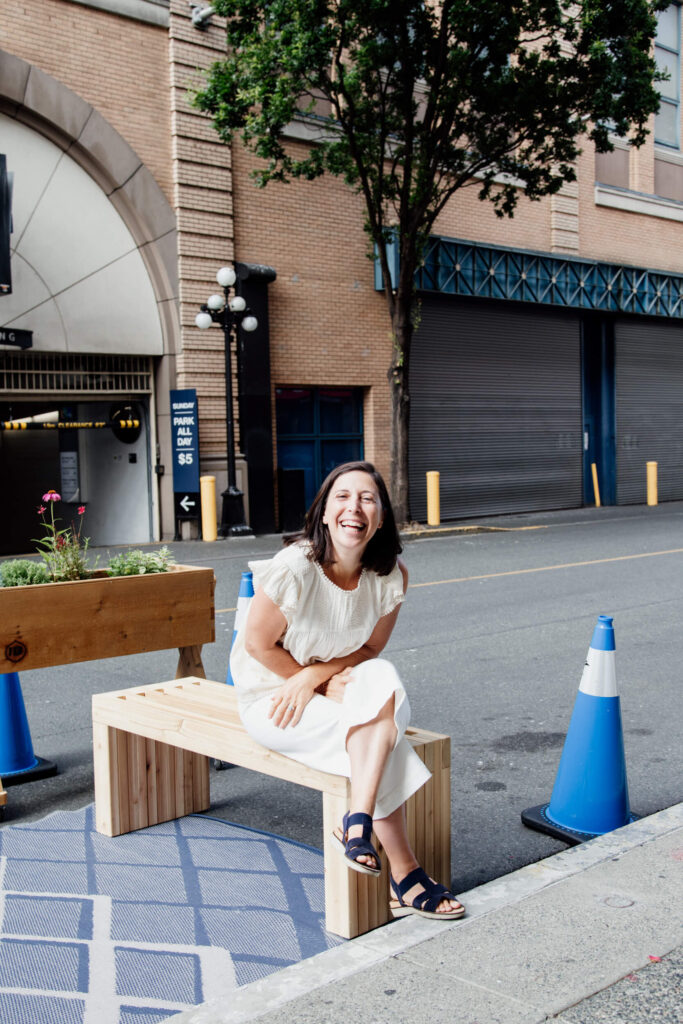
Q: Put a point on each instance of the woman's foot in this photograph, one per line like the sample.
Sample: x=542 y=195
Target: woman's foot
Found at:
x=417 y=893
x=353 y=840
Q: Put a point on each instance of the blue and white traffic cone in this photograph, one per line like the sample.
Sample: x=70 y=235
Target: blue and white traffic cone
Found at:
x=246 y=592
x=590 y=795
x=243 y=598
x=18 y=763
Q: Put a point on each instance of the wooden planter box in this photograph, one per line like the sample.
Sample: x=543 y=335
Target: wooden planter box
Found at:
x=105 y=617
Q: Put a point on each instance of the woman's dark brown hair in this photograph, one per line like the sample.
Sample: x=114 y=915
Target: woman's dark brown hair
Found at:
x=383 y=549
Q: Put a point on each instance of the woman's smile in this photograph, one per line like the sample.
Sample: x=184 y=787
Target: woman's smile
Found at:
x=353 y=512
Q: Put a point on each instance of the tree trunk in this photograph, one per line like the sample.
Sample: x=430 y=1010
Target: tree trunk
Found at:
x=400 y=409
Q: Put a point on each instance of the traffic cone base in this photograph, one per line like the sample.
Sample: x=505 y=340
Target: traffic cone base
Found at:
x=18 y=763
x=590 y=795
x=41 y=769
x=538 y=819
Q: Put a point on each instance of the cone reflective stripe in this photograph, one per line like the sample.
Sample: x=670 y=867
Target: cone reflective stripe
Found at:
x=590 y=795
x=245 y=595
x=18 y=763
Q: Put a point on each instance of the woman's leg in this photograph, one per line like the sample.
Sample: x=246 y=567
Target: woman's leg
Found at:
x=368 y=746
x=393 y=835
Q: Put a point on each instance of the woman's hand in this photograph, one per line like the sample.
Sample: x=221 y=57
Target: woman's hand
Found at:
x=288 y=702
x=335 y=686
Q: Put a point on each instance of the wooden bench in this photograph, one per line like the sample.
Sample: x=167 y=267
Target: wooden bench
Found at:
x=152 y=747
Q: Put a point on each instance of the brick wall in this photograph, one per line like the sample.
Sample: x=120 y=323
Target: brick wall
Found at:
x=328 y=326
x=203 y=200
x=118 y=65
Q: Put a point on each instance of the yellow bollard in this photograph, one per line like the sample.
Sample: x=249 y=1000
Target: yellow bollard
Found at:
x=651 y=470
x=596 y=489
x=207 y=488
x=433 y=501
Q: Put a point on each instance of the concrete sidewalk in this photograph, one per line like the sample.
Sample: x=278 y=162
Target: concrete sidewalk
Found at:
x=594 y=933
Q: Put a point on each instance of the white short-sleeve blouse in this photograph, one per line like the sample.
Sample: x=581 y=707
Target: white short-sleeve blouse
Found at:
x=323 y=621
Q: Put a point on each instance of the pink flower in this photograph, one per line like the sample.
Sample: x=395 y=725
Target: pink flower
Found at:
x=61 y=541
x=81 y=510
x=52 y=496
x=41 y=509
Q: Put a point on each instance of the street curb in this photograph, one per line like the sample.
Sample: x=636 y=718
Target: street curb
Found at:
x=260 y=997
x=420 y=532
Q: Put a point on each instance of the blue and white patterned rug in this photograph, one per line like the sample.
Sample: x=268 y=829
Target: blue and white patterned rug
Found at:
x=134 y=929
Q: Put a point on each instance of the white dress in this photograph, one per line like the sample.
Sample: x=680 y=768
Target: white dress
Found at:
x=324 y=622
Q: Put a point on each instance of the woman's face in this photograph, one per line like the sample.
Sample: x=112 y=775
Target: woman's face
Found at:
x=353 y=512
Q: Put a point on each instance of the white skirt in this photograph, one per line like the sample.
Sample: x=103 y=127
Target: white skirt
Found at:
x=319 y=739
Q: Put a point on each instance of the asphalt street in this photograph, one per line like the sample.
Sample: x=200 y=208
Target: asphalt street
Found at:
x=490 y=644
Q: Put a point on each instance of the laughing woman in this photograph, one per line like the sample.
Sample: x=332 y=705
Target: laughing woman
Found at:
x=311 y=685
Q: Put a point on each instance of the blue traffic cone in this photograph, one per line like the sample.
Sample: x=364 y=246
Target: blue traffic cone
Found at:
x=244 y=597
x=18 y=763
x=590 y=795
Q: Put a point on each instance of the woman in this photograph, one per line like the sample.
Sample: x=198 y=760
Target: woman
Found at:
x=310 y=683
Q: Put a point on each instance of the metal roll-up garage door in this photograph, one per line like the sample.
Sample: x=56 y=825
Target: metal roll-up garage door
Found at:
x=495 y=407
x=649 y=385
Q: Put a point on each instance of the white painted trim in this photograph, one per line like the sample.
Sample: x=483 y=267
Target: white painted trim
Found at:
x=619 y=143
x=310 y=130
x=638 y=202
x=669 y=156
x=155 y=12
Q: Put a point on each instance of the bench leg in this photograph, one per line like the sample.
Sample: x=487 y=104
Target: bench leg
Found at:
x=141 y=782
x=428 y=812
x=354 y=903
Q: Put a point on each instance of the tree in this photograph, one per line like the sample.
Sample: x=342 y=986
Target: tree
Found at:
x=427 y=98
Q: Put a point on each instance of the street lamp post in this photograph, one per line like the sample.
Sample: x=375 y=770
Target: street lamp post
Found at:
x=229 y=312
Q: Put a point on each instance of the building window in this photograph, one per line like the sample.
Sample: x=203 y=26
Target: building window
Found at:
x=317 y=429
x=668 y=57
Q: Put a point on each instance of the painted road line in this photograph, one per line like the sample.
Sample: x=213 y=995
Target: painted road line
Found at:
x=522 y=572
x=546 y=568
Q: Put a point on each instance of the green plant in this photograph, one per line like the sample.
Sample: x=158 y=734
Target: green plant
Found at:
x=20 y=572
x=139 y=563
x=64 y=553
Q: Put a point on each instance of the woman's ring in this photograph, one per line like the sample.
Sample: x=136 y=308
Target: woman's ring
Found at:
x=291 y=707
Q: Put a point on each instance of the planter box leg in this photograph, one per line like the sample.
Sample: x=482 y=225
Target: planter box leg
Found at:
x=190 y=663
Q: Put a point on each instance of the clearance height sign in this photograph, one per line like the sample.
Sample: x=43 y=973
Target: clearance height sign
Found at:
x=185 y=442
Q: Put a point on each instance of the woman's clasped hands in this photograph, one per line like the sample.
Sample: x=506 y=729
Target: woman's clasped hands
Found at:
x=288 y=702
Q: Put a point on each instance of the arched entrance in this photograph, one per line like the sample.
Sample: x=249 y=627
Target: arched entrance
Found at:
x=93 y=268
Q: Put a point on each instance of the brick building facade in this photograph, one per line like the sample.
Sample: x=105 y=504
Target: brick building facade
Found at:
x=541 y=348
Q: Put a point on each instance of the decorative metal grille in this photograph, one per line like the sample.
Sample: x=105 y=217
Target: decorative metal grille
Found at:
x=462 y=268
x=62 y=372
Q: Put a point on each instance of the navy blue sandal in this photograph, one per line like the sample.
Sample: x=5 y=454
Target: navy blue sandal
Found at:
x=426 y=902
x=351 y=849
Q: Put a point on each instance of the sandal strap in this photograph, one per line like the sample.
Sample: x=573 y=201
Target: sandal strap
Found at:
x=358 y=818
x=417 y=875
x=432 y=895
x=429 y=901
x=359 y=846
